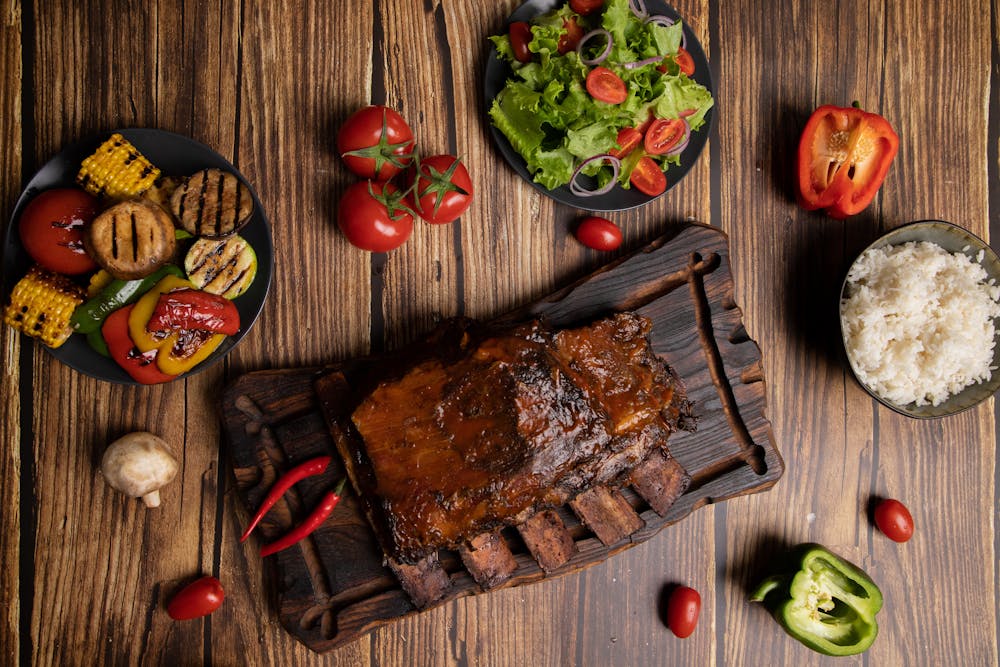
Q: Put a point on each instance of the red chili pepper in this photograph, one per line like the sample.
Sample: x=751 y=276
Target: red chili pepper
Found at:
x=189 y=309
x=305 y=469
x=311 y=523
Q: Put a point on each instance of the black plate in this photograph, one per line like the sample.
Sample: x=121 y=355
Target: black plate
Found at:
x=618 y=198
x=175 y=155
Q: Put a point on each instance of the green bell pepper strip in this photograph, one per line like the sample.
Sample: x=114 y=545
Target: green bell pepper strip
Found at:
x=823 y=601
x=97 y=343
x=89 y=316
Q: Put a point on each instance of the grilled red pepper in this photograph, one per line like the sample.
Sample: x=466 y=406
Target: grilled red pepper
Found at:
x=844 y=155
x=305 y=469
x=140 y=365
x=311 y=522
x=194 y=310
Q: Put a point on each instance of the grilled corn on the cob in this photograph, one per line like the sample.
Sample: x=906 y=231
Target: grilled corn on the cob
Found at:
x=117 y=169
x=41 y=305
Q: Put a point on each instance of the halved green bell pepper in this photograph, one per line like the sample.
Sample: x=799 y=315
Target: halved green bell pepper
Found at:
x=824 y=601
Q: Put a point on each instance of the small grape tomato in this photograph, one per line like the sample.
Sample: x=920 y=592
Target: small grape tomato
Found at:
x=598 y=233
x=894 y=520
x=683 y=608
x=606 y=86
x=647 y=177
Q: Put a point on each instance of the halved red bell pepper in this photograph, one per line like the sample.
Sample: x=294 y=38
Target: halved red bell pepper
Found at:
x=194 y=310
x=844 y=155
x=141 y=366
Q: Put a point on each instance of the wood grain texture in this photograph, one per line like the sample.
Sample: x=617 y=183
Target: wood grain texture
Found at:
x=267 y=87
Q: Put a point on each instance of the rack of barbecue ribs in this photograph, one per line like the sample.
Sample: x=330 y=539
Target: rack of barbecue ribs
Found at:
x=473 y=431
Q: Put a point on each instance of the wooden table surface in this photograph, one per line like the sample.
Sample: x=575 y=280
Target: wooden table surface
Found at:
x=86 y=572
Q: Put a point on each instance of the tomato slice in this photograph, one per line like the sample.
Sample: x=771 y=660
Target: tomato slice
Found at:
x=628 y=139
x=520 y=37
x=684 y=61
x=663 y=135
x=585 y=7
x=571 y=36
x=647 y=177
x=606 y=86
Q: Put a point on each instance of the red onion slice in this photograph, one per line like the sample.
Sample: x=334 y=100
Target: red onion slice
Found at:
x=643 y=63
x=682 y=144
x=604 y=54
x=638 y=8
x=580 y=191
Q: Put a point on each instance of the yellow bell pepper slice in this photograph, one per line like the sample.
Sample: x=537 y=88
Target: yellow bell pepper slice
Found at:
x=175 y=352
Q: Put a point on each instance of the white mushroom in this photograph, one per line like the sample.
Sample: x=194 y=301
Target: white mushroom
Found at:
x=138 y=465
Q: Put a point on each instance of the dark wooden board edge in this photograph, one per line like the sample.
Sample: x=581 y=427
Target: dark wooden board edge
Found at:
x=335 y=587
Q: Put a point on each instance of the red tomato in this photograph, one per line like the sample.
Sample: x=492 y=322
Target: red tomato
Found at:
x=683 y=608
x=51 y=230
x=647 y=177
x=199 y=598
x=569 y=40
x=606 y=86
x=598 y=233
x=684 y=61
x=520 y=37
x=585 y=6
x=663 y=135
x=372 y=217
x=893 y=519
x=628 y=139
x=444 y=189
x=375 y=142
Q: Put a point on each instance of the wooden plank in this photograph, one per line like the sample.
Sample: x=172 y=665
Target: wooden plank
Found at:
x=13 y=526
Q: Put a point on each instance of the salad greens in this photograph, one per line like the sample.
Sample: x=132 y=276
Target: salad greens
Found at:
x=548 y=116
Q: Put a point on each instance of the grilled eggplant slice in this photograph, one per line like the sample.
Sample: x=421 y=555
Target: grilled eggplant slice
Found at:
x=225 y=267
x=212 y=204
x=131 y=240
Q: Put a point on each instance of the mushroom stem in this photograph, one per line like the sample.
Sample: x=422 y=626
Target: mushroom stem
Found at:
x=152 y=499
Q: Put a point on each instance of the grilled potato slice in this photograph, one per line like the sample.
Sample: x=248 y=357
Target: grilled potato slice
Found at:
x=131 y=240
x=221 y=266
x=212 y=203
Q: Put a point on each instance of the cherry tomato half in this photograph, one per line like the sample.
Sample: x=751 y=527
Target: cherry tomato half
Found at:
x=375 y=142
x=572 y=34
x=585 y=7
x=199 y=598
x=628 y=139
x=606 y=86
x=598 y=233
x=663 y=135
x=520 y=37
x=893 y=519
x=647 y=177
x=372 y=217
x=444 y=189
x=51 y=230
x=684 y=61
x=683 y=608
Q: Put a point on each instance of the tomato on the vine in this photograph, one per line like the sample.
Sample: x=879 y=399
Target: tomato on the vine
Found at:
x=663 y=135
x=520 y=37
x=443 y=189
x=51 y=230
x=373 y=217
x=683 y=608
x=375 y=142
x=598 y=233
x=606 y=86
x=199 y=598
x=647 y=177
x=893 y=519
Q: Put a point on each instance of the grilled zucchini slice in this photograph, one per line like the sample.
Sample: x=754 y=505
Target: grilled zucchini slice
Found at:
x=225 y=267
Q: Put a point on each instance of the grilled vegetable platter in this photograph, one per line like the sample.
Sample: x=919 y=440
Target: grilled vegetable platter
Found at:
x=604 y=110
x=137 y=256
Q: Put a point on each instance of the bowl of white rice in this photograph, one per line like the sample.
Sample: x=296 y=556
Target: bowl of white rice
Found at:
x=918 y=315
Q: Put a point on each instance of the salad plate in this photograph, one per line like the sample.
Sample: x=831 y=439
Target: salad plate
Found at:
x=617 y=198
x=175 y=155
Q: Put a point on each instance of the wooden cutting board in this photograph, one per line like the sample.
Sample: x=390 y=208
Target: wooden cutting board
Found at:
x=334 y=587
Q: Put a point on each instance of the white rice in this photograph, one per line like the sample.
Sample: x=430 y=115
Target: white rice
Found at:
x=918 y=322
